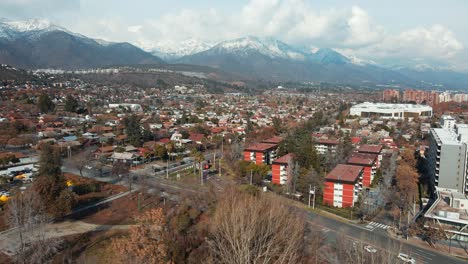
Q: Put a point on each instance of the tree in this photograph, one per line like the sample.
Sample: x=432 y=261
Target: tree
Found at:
x=278 y=125
x=45 y=104
x=26 y=212
x=255 y=229
x=50 y=162
x=145 y=243
x=71 y=104
x=122 y=170
x=133 y=129
x=160 y=152
x=50 y=185
x=80 y=160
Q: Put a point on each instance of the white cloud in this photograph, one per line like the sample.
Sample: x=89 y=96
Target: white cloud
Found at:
x=293 y=21
x=35 y=8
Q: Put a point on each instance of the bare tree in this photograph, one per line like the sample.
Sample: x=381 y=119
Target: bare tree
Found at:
x=81 y=159
x=122 y=170
x=27 y=214
x=255 y=229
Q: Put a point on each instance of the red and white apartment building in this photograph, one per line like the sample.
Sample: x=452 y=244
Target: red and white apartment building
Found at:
x=372 y=149
x=342 y=185
x=281 y=169
x=367 y=161
x=326 y=146
x=261 y=153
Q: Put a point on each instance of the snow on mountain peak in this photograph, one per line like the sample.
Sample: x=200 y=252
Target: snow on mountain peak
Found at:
x=266 y=46
x=29 y=25
x=168 y=49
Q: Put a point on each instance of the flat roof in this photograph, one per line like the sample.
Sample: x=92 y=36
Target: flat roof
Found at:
x=361 y=161
x=328 y=141
x=370 y=148
x=385 y=106
x=345 y=173
x=445 y=136
x=260 y=147
x=284 y=159
x=273 y=140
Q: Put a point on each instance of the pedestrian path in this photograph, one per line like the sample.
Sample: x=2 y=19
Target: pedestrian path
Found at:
x=374 y=225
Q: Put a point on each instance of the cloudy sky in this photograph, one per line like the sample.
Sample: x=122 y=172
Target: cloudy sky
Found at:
x=429 y=31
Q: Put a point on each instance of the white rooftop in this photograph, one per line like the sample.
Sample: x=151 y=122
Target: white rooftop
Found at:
x=446 y=137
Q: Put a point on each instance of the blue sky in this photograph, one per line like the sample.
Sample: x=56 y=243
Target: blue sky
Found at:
x=432 y=31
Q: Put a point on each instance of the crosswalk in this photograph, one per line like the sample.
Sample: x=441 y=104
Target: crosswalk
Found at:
x=373 y=225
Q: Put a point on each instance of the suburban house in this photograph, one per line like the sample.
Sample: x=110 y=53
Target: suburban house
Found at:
x=342 y=185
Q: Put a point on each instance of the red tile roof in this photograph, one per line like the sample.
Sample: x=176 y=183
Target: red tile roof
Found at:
x=284 y=159
x=195 y=137
x=370 y=148
x=261 y=147
x=345 y=173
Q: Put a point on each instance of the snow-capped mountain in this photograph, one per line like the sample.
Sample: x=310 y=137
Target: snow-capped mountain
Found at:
x=266 y=46
x=38 y=43
x=172 y=50
x=32 y=28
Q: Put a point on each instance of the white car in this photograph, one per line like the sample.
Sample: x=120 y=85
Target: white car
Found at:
x=370 y=249
x=406 y=258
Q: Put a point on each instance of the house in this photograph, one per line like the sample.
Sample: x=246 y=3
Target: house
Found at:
x=281 y=169
x=197 y=138
x=326 y=146
x=342 y=185
x=261 y=153
x=104 y=152
x=367 y=161
x=125 y=157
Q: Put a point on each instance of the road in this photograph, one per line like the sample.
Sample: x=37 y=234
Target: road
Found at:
x=334 y=228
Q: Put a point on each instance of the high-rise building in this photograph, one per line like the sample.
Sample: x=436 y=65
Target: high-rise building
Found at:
x=391 y=95
x=421 y=97
x=447 y=158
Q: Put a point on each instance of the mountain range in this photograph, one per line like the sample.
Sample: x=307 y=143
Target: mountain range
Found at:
x=39 y=44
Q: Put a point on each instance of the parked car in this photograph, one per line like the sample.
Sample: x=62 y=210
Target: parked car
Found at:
x=370 y=249
x=406 y=258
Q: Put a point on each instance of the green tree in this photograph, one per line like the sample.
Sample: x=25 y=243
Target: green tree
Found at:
x=50 y=162
x=71 y=104
x=278 y=125
x=133 y=129
x=51 y=185
x=45 y=104
x=160 y=152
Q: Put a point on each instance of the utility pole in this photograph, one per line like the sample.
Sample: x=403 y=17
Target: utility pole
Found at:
x=313 y=202
x=167 y=169
x=201 y=173
x=222 y=155
x=250 y=177
x=310 y=190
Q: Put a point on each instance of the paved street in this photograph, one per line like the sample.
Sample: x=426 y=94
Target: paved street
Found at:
x=333 y=228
